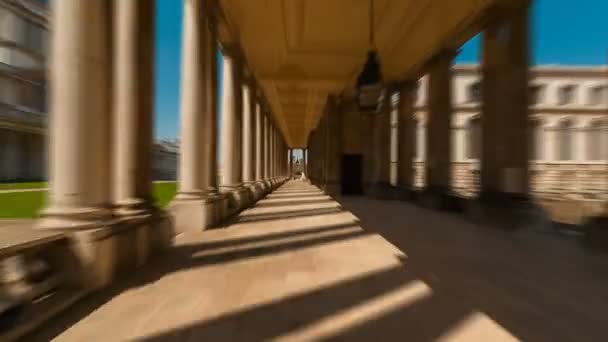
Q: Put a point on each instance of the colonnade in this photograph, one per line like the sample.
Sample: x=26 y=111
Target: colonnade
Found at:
x=504 y=160
x=102 y=122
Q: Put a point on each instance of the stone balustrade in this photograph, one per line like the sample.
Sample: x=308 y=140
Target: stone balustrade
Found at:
x=36 y=279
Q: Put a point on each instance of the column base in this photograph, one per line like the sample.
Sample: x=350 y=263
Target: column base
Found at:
x=73 y=218
x=502 y=210
x=101 y=254
x=132 y=207
x=196 y=214
x=253 y=194
x=238 y=198
x=259 y=190
x=439 y=198
x=268 y=186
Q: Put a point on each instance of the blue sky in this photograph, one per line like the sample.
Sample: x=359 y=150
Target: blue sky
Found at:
x=564 y=32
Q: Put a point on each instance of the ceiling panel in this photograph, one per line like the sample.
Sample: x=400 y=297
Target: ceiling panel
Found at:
x=301 y=51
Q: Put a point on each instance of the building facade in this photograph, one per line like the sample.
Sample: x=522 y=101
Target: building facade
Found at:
x=23 y=119
x=568 y=129
x=23 y=105
x=165 y=157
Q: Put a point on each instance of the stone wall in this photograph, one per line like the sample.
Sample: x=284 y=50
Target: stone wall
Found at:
x=589 y=180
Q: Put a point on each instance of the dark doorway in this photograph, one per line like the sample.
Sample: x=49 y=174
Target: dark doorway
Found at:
x=352 y=174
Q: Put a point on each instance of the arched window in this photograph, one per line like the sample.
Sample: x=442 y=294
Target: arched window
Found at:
x=597 y=140
x=473 y=142
x=535 y=139
x=565 y=140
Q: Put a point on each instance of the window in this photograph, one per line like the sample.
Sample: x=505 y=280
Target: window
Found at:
x=420 y=139
x=474 y=92
x=473 y=143
x=597 y=95
x=537 y=93
x=597 y=140
x=566 y=94
x=535 y=139
x=565 y=140
x=6 y=19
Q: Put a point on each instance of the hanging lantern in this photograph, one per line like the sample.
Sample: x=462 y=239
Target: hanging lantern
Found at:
x=369 y=87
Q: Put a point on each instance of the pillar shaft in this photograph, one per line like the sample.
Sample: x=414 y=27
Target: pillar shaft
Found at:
x=438 y=157
x=406 y=136
x=133 y=105
x=248 y=130
x=259 y=144
x=290 y=162
x=80 y=107
x=266 y=147
x=381 y=146
x=334 y=146
x=305 y=161
x=505 y=107
x=210 y=135
x=192 y=182
x=231 y=124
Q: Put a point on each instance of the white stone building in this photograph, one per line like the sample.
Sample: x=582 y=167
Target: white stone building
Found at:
x=165 y=162
x=23 y=107
x=568 y=129
x=23 y=39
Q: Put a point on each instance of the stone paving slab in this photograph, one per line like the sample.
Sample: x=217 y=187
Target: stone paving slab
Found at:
x=296 y=269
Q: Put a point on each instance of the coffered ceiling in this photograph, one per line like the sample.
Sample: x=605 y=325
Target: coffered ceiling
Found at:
x=300 y=51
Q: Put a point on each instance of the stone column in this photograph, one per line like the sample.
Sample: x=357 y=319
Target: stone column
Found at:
x=382 y=152
x=438 y=134
x=272 y=154
x=231 y=126
x=266 y=150
x=406 y=137
x=259 y=151
x=79 y=116
x=290 y=163
x=195 y=206
x=211 y=118
x=504 y=164
x=305 y=161
x=133 y=106
x=322 y=149
x=334 y=146
x=248 y=135
x=259 y=144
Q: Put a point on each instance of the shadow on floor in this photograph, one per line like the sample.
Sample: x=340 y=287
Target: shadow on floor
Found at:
x=291 y=203
x=203 y=254
x=281 y=215
x=295 y=197
x=531 y=288
x=424 y=319
x=538 y=287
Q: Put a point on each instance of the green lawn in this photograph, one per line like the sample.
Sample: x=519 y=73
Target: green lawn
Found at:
x=24 y=185
x=27 y=204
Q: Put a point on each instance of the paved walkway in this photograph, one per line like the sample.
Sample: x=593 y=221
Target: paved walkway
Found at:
x=299 y=267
